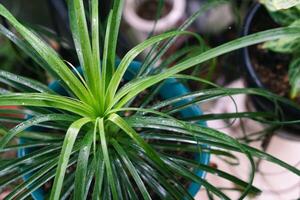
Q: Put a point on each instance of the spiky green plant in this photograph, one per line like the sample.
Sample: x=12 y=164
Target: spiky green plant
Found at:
x=114 y=155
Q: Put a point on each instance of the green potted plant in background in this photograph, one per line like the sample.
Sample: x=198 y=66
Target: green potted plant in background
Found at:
x=274 y=65
x=287 y=17
x=86 y=134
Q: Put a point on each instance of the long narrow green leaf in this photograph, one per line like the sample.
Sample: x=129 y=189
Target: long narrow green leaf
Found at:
x=130 y=56
x=31 y=122
x=106 y=190
x=28 y=159
x=206 y=134
x=91 y=173
x=82 y=40
x=131 y=169
x=67 y=147
x=99 y=175
x=81 y=167
x=32 y=179
x=46 y=100
x=119 y=185
x=96 y=48
x=113 y=36
x=104 y=73
x=135 y=136
x=207 y=94
x=255 y=38
x=35 y=85
x=26 y=170
x=158 y=173
x=186 y=173
x=224 y=154
x=49 y=55
x=106 y=159
x=181 y=54
x=27 y=145
x=215 y=171
x=203 y=9
x=245 y=151
x=40 y=182
x=13 y=86
x=68 y=187
x=32 y=53
x=236 y=115
x=131 y=194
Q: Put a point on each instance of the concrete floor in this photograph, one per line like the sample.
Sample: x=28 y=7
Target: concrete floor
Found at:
x=275 y=182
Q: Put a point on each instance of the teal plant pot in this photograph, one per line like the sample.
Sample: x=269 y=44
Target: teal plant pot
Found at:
x=171 y=88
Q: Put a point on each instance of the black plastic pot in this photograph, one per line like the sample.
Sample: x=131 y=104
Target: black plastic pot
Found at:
x=253 y=80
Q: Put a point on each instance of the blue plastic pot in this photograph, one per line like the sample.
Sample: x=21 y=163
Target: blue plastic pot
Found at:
x=171 y=88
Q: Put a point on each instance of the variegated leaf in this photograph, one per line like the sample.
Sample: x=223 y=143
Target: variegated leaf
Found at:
x=285 y=45
x=294 y=77
x=274 y=5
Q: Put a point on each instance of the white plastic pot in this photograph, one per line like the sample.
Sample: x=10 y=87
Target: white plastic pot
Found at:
x=214 y=20
x=142 y=27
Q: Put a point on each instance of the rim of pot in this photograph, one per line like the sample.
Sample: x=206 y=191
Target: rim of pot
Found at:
x=164 y=23
x=246 y=54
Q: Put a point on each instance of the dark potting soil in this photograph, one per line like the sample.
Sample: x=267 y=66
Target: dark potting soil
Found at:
x=148 y=9
x=271 y=68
